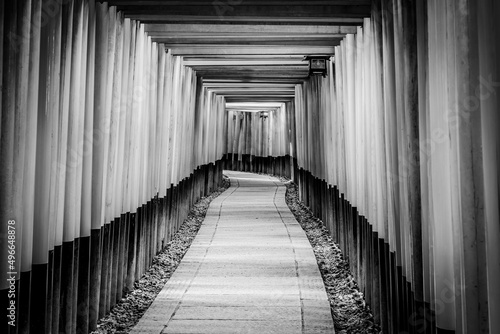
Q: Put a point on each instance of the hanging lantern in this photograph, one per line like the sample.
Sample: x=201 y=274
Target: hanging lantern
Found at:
x=318 y=65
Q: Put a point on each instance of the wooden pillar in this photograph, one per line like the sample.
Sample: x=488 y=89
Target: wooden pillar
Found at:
x=42 y=276
x=36 y=225
x=67 y=191
x=98 y=157
x=55 y=228
x=488 y=69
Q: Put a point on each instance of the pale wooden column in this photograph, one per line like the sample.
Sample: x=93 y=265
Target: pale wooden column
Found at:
x=88 y=100
x=423 y=103
x=66 y=174
x=31 y=135
x=42 y=280
x=82 y=311
x=99 y=157
x=390 y=127
x=440 y=179
x=21 y=48
x=77 y=106
x=174 y=120
x=114 y=89
x=55 y=228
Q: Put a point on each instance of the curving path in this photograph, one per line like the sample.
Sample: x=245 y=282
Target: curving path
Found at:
x=250 y=269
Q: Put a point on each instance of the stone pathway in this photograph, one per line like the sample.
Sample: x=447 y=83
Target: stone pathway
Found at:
x=250 y=269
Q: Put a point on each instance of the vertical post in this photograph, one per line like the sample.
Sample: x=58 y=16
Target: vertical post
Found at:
x=98 y=157
x=69 y=82
x=88 y=236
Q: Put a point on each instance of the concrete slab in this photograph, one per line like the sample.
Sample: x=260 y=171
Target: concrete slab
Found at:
x=250 y=269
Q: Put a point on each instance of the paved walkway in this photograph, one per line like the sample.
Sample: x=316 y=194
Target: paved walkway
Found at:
x=250 y=269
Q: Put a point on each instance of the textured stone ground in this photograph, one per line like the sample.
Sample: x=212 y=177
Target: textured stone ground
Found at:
x=250 y=269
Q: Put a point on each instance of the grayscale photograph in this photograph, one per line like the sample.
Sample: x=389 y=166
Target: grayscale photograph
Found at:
x=250 y=167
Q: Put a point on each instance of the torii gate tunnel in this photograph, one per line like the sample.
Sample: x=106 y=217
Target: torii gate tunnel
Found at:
x=117 y=116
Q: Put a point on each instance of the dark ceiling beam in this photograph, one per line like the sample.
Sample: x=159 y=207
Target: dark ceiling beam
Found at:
x=254 y=104
x=250 y=97
x=175 y=41
x=247 y=85
x=244 y=29
x=220 y=49
x=221 y=10
x=242 y=35
x=255 y=88
x=254 y=68
x=235 y=2
x=254 y=92
x=264 y=90
x=261 y=80
x=203 y=62
x=232 y=99
x=269 y=110
x=242 y=57
x=187 y=19
x=250 y=76
x=242 y=106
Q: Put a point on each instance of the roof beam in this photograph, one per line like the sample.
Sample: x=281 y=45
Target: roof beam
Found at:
x=239 y=82
x=247 y=2
x=220 y=49
x=261 y=20
x=319 y=40
x=200 y=62
x=216 y=29
x=232 y=99
x=222 y=10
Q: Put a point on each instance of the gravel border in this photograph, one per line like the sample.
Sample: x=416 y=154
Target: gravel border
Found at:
x=350 y=312
x=126 y=313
